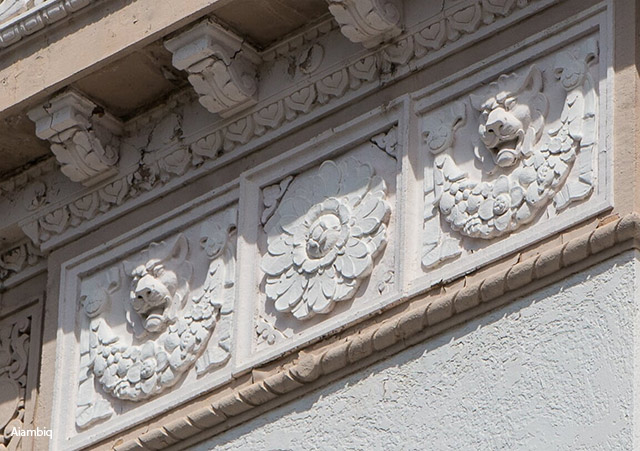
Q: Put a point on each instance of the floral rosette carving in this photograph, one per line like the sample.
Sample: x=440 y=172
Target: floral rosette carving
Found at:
x=324 y=237
x=530 y=162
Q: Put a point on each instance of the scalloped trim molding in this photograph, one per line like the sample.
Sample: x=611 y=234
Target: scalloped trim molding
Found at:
x=360 y=347
x=265 y=122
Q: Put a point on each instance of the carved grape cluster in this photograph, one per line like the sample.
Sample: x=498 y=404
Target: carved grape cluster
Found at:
x=487 y=209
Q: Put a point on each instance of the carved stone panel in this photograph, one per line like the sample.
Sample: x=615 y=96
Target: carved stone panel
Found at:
x=149 y=324
x=19 y=356
x=520 y=154
x=325 y=238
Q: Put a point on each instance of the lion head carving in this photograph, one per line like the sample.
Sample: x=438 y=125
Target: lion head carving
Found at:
x=159 y=286
x=512 y=116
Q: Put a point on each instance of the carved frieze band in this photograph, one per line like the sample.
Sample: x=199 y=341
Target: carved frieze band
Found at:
x=83 y=137
x=424 y=318
x=462 y=18
x=221 y=67
x=369 y=22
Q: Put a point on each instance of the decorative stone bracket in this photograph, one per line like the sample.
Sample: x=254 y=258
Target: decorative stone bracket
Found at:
x=369 y=22
x=221 y=67
x=83 y=137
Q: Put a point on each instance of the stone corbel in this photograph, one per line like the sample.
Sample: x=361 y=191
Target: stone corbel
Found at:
x=368 y=22
x=83 y=137
x=221 y=67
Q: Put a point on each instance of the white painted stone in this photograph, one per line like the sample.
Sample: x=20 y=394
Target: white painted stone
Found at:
x=147 y=323
x=326 y=239
x=520 y=157
x=83 y=138
x=221 y=67
x=553 y=370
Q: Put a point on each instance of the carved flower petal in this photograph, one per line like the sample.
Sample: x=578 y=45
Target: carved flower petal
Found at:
x=133 y=373
x=301 y=311
x=325 y=303
x=345 y=288
x=275 y=265
x=299 y=254
x=356 y=261
x=527 y=176
x=369 y=214
x=292 y=295
x=278 y=246
x=356 y=248
x=294 y=207
x=275 y=287
x=473 y=203
x=486 y=209
x=329 y=176
x=149 y=384
x=311 y=265
x=355 y=181
x=147 y=350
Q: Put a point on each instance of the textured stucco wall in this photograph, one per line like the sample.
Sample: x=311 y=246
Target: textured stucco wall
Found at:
x=550 y=371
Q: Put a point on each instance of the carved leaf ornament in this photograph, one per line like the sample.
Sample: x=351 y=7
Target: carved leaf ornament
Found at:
x=532 y=163
x=323 y=238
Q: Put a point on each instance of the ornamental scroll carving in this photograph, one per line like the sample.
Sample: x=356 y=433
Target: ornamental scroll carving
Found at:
x=15 y=338
x=221 y=67
x=533 y=151
x=83 y=137
x=170 y=323
x=323 y=236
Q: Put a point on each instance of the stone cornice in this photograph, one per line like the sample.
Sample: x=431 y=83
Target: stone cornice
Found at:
x=39 y=18
x=274 y=116
x=427 y=315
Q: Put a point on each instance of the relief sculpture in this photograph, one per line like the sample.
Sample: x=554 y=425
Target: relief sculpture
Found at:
x=525 y=154
x=14 y=361
x=170 y=323
x=324 y=236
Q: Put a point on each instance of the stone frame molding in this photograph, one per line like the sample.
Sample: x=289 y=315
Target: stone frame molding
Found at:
x=68 y=349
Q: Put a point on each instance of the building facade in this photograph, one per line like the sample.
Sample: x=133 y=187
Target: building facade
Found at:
x=320 y=224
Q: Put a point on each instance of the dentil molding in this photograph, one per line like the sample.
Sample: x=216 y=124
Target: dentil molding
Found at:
x=221 y=67
x=83 y=137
